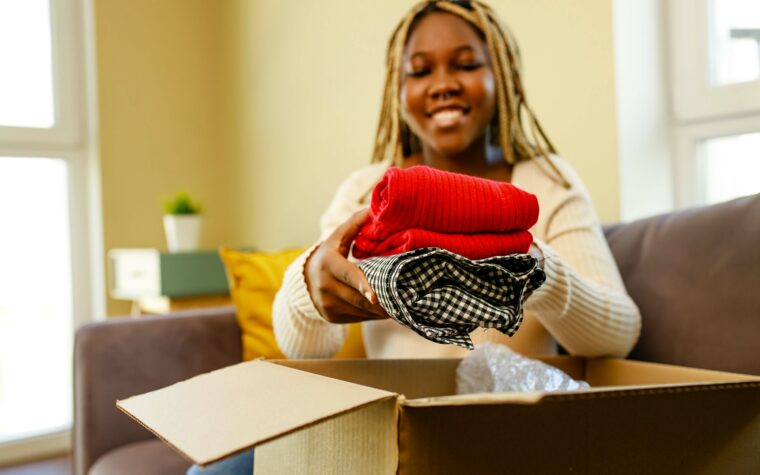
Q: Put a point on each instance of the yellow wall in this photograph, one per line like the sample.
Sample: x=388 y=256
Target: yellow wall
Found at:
x=306 y=92
x=262 y=107
x=161 y=118
x=308 y=85
x=568 y=58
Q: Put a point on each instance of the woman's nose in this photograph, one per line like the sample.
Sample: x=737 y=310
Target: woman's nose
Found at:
x=444 y=87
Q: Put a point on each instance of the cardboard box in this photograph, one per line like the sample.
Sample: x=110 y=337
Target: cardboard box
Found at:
x=400 y=416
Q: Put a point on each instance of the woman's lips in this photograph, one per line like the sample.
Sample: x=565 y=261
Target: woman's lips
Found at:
x=447 y=118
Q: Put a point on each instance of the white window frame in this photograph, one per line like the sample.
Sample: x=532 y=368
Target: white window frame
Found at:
x=73 y=139
x=701 y=110
x=69 y=119
x=694 y=97
x=690 y=189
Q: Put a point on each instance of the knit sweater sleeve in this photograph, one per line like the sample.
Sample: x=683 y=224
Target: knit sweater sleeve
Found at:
x=299 y=329
x=583 y=303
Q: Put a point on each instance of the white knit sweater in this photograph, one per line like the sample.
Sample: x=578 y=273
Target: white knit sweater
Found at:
x=583 y=305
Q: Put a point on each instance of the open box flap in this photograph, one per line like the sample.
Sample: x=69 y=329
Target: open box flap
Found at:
x=536 y=397
x=617 y=372
x=217 y=414
x=608 y=377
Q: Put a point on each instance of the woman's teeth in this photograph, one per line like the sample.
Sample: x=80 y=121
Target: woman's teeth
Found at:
x=446 y=118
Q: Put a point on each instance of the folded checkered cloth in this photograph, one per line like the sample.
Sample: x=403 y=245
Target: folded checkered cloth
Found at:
x=443 y=296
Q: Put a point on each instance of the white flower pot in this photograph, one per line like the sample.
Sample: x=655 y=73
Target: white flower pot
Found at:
x=183 y=232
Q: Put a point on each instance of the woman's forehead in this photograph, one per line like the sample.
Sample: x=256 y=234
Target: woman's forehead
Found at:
x=443 y=32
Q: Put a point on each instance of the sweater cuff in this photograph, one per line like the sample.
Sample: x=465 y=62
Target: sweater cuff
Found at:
x=552 y=271
x=300 y=330
x=300 y=299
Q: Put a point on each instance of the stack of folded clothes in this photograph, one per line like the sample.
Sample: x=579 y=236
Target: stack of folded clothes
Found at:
x=424 y=207
x=445 y=253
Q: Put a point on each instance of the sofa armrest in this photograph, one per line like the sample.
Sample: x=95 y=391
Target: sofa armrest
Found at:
x=125 y=356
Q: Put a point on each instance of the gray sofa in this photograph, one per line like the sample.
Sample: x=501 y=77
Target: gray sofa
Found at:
x=695 y=275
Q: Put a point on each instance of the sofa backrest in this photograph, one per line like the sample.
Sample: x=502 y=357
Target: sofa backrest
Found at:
x=695 y=275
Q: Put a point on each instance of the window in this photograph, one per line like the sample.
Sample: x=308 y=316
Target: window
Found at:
x=730 y=167
x=26 y=85
x=47 y=249
x=715 y=84
x=36 y=303
x=734 y=36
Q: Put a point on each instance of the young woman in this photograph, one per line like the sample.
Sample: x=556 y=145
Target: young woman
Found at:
x=454 y=100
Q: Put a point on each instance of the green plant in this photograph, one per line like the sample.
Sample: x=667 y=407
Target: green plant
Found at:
x=182 y=204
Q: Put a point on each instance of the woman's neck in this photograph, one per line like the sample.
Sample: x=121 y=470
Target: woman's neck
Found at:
x=480 y=159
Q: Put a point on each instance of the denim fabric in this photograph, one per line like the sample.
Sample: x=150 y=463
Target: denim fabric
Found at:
x=240 y=464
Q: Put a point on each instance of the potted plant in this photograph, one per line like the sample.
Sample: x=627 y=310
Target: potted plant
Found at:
x=182 y=223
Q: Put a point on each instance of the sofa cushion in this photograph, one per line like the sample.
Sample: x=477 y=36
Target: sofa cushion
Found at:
x=695 y=275
x=146 y=458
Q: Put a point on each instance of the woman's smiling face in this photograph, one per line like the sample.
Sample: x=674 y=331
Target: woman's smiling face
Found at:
x=447 y=84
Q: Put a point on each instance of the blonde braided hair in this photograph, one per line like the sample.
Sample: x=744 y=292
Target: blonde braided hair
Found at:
x=393 y=139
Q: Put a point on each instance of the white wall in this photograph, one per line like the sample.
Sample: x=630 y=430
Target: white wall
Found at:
x=644 y=126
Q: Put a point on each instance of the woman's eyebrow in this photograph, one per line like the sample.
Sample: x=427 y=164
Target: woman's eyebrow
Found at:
x=458 y=49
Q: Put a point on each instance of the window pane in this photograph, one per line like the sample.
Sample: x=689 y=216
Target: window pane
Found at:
x=26 y=69
x=735 y=41
x=730 y=167
x=35 y=302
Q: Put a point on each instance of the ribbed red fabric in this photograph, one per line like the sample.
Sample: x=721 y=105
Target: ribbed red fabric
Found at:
x=425 y=207
x=471 y=246
x=426 y=198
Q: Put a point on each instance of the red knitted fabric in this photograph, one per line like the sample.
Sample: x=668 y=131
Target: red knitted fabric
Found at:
x=471 y=246
x=426 y=198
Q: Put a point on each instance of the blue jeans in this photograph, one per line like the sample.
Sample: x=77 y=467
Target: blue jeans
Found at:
x=240 y=464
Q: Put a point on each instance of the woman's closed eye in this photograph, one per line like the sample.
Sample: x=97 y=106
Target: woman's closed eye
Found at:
x=418 y=73
x=469 y=66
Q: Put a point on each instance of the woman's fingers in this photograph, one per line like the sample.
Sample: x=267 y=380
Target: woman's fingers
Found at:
x=344 y=235
x=346 y=293
x=351 y=275
x=348 y=314
x=341 y=311
x=339 y=289
x=346 y=272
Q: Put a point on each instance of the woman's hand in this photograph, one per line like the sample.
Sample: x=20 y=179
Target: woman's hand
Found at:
x=338 y=288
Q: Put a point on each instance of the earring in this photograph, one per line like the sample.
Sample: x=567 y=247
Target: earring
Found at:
x=406 y=145
x=410 y=144
x=493 y=132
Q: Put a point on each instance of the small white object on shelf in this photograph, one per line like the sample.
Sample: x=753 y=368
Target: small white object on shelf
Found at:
x=183 y=231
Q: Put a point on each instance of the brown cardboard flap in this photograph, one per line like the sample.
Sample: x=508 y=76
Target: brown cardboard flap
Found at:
x=537 y=397
x=211 y=416
x=609 y=377
x=573 y=366
x=414 y=378
x=360 y=442
x=705 y=429
x=617 y=372
x=477 y=399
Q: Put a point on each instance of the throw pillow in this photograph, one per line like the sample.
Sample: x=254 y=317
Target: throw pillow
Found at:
x=254 y=278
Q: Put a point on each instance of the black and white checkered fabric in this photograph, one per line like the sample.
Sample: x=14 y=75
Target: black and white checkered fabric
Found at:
x=443 y=296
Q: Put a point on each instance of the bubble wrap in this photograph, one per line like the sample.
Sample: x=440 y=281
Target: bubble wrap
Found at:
x=494 y=368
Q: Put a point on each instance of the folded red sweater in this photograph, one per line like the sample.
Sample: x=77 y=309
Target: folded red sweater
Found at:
x=426 y=198
x=471 y=246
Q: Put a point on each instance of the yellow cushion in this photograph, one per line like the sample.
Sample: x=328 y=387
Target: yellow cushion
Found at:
x=254 y=278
